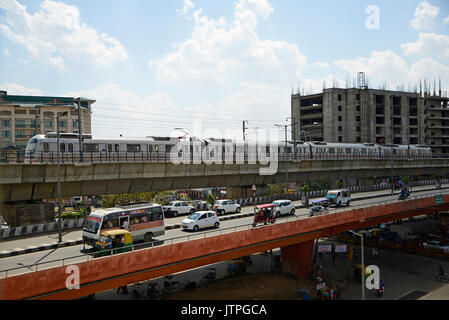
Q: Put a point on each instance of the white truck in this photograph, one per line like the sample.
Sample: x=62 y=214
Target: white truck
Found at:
x=339 y=197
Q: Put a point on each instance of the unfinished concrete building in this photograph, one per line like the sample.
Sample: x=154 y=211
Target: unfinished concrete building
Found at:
x=363 y=115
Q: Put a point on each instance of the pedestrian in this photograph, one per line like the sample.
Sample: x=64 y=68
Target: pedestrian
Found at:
x=337 y=292
x=331 y=293
x=375 y=253
x=333 y=253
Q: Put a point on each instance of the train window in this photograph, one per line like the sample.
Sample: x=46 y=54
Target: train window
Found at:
x=288 y=150
x=62 y=147
x=90 y=147
x=133 y=147
x=348 y=151
x=109 y=147
x=71 y=147
x=168 y=148
x=150 y=148
x=156 y=148
x=46 y=147
x=116 y=148
x=331 y=150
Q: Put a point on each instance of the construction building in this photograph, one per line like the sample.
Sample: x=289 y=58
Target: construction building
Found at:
x=22 y=117
x=363 y=115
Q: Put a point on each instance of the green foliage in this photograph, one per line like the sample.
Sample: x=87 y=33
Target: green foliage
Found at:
x=305 y=189
x=113 y=200
x=276 y=189
x=210 y=199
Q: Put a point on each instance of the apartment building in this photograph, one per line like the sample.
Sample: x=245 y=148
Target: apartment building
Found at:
x=22 y=117
x=372 y=116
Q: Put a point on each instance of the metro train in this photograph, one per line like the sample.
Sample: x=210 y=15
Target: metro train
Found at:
x=43 y=148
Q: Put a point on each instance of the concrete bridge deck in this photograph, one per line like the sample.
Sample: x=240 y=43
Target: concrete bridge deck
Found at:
x=31 y=182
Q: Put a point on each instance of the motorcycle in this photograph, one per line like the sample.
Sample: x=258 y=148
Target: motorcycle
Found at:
x=404 y=194
x=317 y=210
x=440 y=277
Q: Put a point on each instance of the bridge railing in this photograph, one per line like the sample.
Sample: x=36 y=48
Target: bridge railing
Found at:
x=71 y=156
x=170 y=241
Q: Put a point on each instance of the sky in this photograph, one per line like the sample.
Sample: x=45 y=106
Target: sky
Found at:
x=206 y=66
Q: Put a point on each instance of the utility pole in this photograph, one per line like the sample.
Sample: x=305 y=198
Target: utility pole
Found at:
x=244 y=129
x=80 y=129
x=285 y=156
x=59 y=176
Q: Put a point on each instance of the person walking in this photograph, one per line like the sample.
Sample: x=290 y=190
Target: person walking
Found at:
x=375 y=254
x=333 y=254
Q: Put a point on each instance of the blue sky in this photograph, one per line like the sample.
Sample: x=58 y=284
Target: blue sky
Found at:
x=156 y=65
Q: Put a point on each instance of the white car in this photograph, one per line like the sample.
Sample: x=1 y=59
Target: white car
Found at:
x=284 y=207
x=176 y=208
x=226 y=206
x=200 y=220
x=435 y=245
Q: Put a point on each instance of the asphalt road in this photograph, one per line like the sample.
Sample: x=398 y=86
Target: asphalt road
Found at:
x=73 y=254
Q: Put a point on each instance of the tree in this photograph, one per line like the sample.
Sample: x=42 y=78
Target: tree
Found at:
x=210 y=199
x=305 y=196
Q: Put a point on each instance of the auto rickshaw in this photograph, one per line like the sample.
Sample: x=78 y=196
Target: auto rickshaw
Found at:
x=264 y=213
x=115 y=241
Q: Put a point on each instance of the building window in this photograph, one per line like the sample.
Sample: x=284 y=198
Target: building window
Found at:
x=339 y=97
x=340 y=128
x=48 y=124
x=358 y=128
x=339 y=108
x=75 y=124
x=357 y=108
x=357 y=118
x=20 y=123
x=340 y=139
x=339 y=118
x=5 y=134
x=20 y=134
x=357 y=97
x=358 y=139
x=62 y=124
x=6 y=123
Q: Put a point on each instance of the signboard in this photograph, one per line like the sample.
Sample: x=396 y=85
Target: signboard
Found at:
x=325 y=248
x=253 y=188
x=321 y=285
x=340 y=248
x=439 y=199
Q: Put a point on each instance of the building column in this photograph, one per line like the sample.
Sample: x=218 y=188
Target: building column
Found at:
x=297 y=259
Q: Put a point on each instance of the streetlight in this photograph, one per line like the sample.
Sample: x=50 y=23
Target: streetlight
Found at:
x=59 y=173
x=363 y=263
x=285 y=149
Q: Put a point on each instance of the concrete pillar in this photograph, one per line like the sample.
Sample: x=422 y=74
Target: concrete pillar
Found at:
x=297 y=259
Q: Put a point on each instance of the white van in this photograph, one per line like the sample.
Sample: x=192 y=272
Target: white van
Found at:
x=339 y=197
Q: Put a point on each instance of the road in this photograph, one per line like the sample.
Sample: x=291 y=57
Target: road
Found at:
x=73 y=254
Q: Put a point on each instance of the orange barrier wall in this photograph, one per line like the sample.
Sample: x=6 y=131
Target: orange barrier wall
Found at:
x=109 y=272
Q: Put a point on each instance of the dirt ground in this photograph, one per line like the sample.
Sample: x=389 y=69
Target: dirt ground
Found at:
x=260 y=286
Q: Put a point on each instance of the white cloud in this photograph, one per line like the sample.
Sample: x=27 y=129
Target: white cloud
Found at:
x=56 y=29
x=58 y=63
x=222 y=52
x=388 y=67
x=18 y=89
x=428 y=44
x=446 y=20
x=6 y=52
x=321 y=64
x=425 y=15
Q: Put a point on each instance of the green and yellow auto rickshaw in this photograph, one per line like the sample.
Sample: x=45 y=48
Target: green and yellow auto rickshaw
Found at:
x=115 y=241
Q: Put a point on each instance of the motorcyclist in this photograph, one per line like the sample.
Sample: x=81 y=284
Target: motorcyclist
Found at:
x=315 y=209
x=381 y=289
x=441 y=272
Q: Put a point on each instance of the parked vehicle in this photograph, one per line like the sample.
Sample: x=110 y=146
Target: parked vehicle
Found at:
x=226 y=206
x=319 y=207
x=265 y=214
x=176 y=208
x=339 y=197
x=284 y=207
x=435 y=245
x=201 y=220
